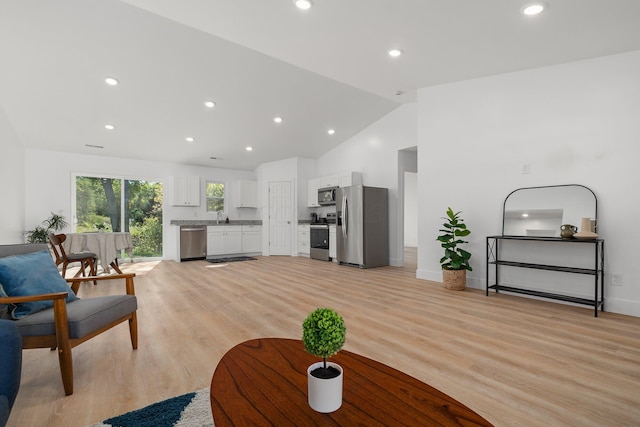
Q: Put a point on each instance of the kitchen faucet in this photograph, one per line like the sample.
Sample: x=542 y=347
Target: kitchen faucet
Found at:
x=218 y=214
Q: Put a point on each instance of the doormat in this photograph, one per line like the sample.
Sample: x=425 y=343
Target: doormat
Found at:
x=230 y=259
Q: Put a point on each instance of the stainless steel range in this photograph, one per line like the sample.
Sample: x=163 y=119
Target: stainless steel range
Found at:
x=319 y=245
x=319 y=236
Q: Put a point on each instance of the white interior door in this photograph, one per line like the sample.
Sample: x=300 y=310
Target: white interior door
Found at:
x=280 y=218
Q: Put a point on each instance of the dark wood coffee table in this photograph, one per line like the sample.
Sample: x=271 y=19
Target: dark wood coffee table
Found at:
x=264 y=382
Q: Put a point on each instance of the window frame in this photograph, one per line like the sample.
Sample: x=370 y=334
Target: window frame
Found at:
x=207 y=198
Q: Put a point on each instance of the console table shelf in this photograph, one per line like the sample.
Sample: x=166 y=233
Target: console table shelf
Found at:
x=546 y=267
x=493 y=258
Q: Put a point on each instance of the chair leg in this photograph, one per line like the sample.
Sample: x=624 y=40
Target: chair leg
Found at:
x=92 y=269
x=133 y=330
x=65 y=357
x=66 y=368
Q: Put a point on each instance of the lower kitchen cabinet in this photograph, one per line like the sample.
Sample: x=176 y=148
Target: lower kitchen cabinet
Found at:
x=251 y=238
x=332 y=242
x=304 y=239
x=225 y=239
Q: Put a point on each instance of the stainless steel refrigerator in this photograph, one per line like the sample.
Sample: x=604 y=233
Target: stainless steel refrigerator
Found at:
x=362 y=233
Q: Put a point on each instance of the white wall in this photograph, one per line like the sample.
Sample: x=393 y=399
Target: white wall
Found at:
x=411 y=209
x=12 y=184
x=374 y=153
x=576 y=123
x=49 y=184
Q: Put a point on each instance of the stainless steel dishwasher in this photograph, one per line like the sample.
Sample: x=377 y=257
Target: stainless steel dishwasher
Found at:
x=193 y=242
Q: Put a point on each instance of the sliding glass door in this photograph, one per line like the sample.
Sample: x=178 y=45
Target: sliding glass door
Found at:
x=120 y=204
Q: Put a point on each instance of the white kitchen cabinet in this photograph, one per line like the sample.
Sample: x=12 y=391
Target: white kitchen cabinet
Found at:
x=224 y=239
x=328 y=181
x=251 y=238
x=186 y=191
x=304 y=239
x=348 y=179
x=247 y=194
x=341 y=180
x=312 y=193
x=332 y=242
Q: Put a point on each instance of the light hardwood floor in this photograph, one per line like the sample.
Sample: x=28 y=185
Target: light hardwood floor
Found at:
x=516 y=361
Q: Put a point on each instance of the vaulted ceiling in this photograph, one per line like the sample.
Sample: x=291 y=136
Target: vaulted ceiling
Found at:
x=320 y=69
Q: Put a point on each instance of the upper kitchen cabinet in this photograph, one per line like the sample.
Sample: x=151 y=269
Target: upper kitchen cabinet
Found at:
x=341 y=180
x=328 y=181
x=247 y=194
x=312 y=193
x=186 y=191
x=350 y=178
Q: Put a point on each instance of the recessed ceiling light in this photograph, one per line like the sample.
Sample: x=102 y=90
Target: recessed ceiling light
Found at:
x=534 y=8
x=331 y=131
x=303 y=4
x=277 y=119
x=111 y=81
x=525 y=215
x=249 y=148
x=190 y=139
x=394 y=52
x=109 y=127
x=209 y=104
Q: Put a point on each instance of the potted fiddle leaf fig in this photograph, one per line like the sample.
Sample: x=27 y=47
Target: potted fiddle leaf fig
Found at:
x=323 y=335
x=455 y=262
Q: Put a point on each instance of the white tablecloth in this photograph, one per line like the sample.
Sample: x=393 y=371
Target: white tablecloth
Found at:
x=105 y=245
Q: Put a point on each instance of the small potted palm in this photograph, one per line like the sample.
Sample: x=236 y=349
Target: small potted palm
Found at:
x=323 y=335
x=455 y=262
x=40 y=234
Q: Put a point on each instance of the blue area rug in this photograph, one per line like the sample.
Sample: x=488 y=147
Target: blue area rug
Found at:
x=187 y=410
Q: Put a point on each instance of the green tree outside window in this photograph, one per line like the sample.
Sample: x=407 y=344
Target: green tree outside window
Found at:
x=215 y=197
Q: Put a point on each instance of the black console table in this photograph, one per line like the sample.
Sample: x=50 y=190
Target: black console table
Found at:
x=493 y=258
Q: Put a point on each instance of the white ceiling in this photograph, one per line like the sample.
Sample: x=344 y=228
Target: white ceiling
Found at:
x=319 y=69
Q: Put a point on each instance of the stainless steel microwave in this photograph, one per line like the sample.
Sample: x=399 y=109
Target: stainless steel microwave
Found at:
x=327 y=196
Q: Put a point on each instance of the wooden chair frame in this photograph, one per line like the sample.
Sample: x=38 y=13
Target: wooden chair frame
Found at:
x=90 y=260
x=61 y=340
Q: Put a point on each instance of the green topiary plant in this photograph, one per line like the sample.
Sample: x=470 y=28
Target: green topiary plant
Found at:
x=454 y=257
x=323 y=334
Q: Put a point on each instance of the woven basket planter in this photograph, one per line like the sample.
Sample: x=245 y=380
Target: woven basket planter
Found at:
x=455 y=280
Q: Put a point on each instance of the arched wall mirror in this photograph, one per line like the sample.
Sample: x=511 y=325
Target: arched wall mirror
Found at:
x=540 y=211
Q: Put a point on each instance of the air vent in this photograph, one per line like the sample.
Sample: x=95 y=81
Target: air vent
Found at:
x=94 y=146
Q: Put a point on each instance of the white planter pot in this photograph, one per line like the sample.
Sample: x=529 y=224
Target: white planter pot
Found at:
x=324 y=395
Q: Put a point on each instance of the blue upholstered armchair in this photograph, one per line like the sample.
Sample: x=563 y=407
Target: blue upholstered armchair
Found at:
x=10 y=367
x=44 y=307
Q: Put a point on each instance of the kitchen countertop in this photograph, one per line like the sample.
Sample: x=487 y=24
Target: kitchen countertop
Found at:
x=213 y=222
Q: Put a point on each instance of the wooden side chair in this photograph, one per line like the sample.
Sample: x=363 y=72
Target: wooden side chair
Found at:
x=86 y=259
x=46 y=310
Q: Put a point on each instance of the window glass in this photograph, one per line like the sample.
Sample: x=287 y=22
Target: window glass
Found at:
x=119 y=204
x=215 y=196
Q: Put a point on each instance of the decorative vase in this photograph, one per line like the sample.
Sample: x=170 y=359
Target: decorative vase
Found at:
x=585 y=232
x=324 y=395
x=455 y=280
x=567 y=231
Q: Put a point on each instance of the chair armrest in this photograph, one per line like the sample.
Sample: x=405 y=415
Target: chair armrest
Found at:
x=32 y=298
x=59 y=308
x=75 y=281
